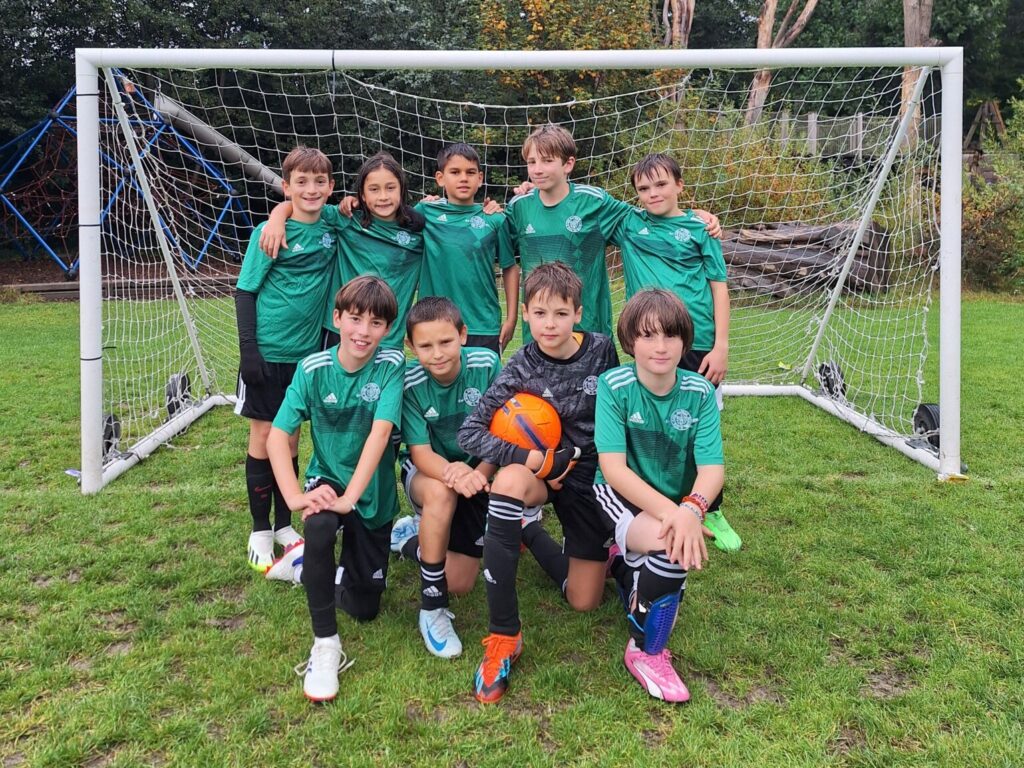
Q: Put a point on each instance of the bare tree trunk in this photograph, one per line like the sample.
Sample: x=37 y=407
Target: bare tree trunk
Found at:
x=789 y=29
x=677 y=18
x=917 y=25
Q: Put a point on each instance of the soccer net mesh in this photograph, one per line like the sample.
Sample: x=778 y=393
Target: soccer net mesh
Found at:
x=793 y=188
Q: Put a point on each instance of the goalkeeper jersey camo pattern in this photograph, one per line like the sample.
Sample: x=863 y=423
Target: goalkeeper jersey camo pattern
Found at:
x=576 y=231
x=675 y=253
x=664 y=437
x=569 y=385
x=461 y=245
x=291 y=290
x=433 y=412
x=341 y=408
x=383 y=249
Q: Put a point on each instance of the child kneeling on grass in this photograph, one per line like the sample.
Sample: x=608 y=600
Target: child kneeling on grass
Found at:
x=352 y=396
x=660 y=459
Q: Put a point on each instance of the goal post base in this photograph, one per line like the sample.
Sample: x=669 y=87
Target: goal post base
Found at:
x=863 y=423
x=181 y=421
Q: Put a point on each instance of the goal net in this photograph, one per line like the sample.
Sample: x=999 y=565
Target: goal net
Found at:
x=827 y=181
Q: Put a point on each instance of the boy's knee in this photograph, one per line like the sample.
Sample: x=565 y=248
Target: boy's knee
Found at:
x=583 y=603
x=320 y=530
x=513 y=480
x=361 y=605
x=435 y=496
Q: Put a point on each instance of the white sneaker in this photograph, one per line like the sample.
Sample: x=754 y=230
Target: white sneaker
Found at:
x=320 y=674
x=403 y=530
x=286 y=537
x=439 y=634
x=261 y=550
x=288 y=567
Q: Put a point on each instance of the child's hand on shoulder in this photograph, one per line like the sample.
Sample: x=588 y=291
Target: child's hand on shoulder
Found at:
x=524 y=188
x=711 y=223
x=491 y=206
x=272 y=238
x=347 y=205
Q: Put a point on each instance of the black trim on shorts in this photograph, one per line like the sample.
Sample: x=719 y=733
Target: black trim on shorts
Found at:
x=487 y=341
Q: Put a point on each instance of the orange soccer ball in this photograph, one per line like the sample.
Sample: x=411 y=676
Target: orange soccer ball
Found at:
x=528 y=421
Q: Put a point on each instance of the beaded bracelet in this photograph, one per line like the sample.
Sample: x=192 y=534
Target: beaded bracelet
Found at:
x=693 y=508
x=698 y=501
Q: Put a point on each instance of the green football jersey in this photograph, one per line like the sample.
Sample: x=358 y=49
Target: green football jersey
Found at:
x=290 y=290
x=676 y=254
x=432 y=412
x=341 y=408
x=660 y=434
x=383 y=249
x=461 y=245
x=576 y=231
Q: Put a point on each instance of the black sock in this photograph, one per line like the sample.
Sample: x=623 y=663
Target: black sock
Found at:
x=433 y=586
x=547 y=552
x=283 y=515
x=657 y=578
x=259 y=481
x=501 y=561
x=411 y=549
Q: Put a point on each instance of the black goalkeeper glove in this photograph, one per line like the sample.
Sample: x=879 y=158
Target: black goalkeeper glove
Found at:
x=558 y=463
x=252 y=367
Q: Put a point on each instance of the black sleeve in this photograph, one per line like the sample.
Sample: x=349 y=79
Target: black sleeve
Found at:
x=245 y=315
x=475 y=436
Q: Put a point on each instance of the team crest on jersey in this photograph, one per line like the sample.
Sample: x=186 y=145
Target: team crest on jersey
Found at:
x=477 y=222
x=403 y=238
x=574 y=224
x=682 y=235
x=471 y=396
x=327 y=241
x=370 y=393
x=681 y=419
x=590 y=385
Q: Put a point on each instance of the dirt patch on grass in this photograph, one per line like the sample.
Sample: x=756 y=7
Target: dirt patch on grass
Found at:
x=42 y=581
x=81 y=664
x=887 y=683
x=117 y=621
x=233 y=593
x=847 y=740
x=100 y=761
x=659 y=730
x=757 y=694
x=14 y=759
x=229 y=623
x=120 y=648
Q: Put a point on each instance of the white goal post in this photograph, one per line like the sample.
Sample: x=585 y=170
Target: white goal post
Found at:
x=837 y=370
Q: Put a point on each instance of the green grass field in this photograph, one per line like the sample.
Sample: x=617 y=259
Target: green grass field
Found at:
x=873 y=618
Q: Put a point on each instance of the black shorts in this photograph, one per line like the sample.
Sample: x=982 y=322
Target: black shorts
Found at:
x=692 y=359
x=262 y=401
x=365 y=554
x=466 y=535
x=486 y=341
x=588 y=533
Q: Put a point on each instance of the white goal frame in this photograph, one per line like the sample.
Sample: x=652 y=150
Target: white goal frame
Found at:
x=947 y=61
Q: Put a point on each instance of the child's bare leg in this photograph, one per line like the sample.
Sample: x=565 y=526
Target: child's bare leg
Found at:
x=461 y=571
x=438 y=504
x=585 y=584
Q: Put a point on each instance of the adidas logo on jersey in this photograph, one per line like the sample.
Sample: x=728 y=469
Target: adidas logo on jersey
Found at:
x=430 y=413
x=479 y=542
x=331 y=399
x=432 y=591
x=378 y=574
x=443 y=217
x=297 y=248
x=546 y=393
x=488 y=577
x=644 y=231
x=530 y=230
x=636 y=418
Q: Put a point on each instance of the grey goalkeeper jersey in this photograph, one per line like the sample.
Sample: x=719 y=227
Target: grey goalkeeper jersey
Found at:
x=569 y=385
